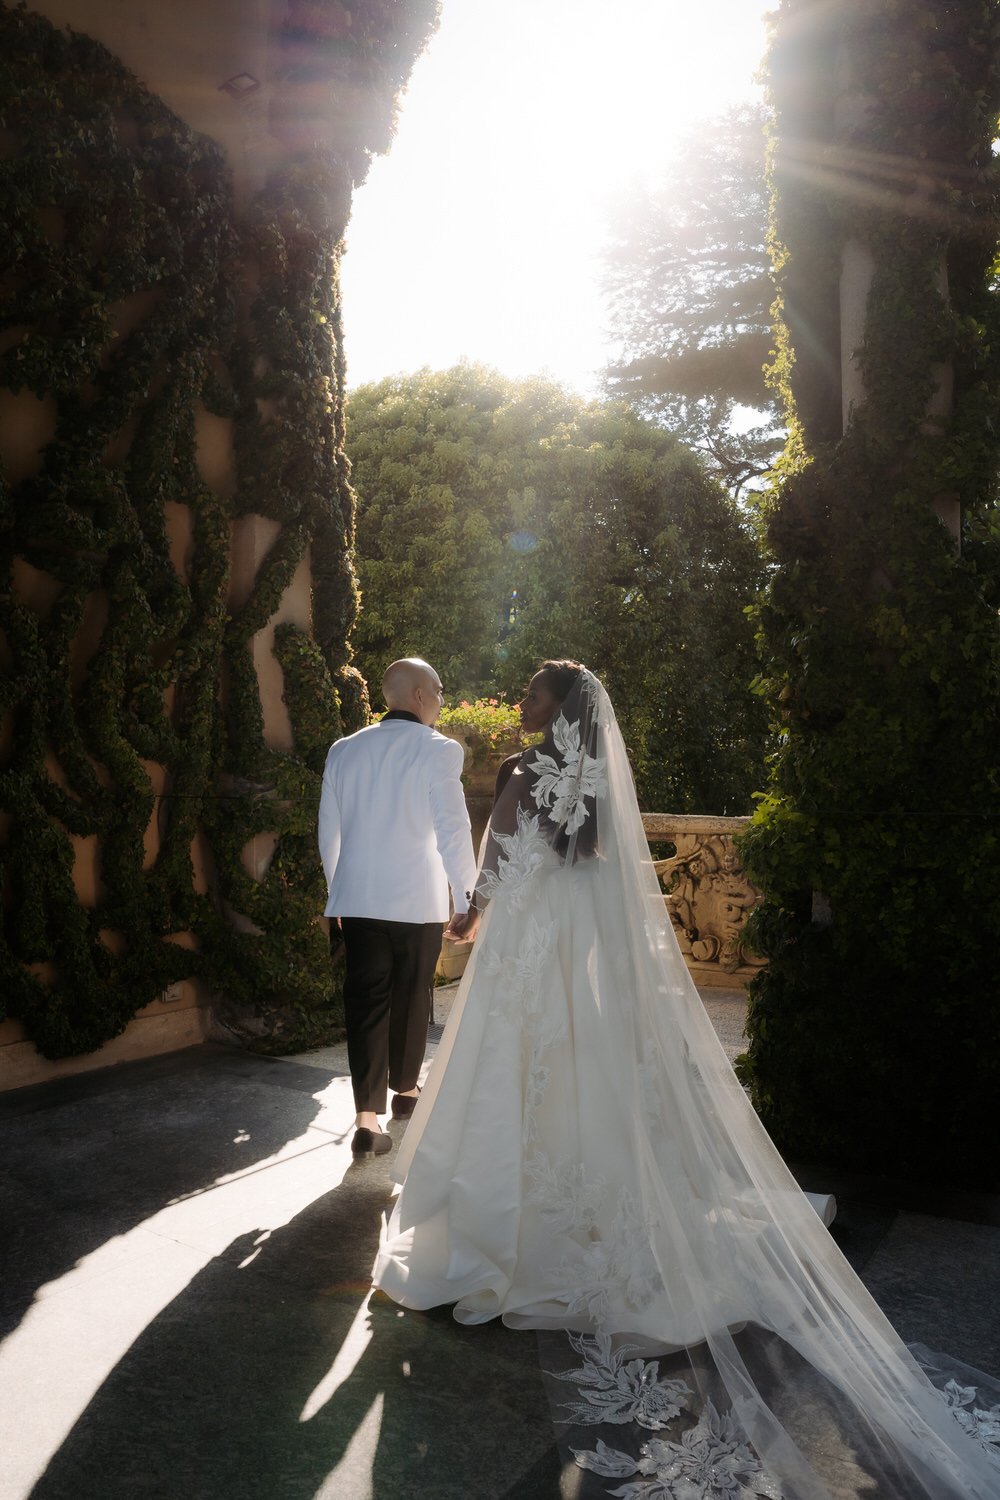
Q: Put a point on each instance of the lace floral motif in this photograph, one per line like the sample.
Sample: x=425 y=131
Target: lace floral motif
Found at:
x=651 y=1072
x=536 y=1082
x=620 y=1265
x=977 y=1422
x=526 y=996
x=523 y=971
x=561 y=789
x=522 y=854
x=567 y=1198
x=617 y=1389
x=712 y=1461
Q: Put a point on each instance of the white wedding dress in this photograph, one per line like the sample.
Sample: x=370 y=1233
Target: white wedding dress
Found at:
x=583 y=1158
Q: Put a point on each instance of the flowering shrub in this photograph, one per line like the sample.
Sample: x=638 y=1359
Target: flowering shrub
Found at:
x=486 y=725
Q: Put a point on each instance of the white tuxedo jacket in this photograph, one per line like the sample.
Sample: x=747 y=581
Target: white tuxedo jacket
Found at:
x=393 y=827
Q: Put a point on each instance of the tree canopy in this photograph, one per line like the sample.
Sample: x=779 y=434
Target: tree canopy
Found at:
x=689 y=281
x=500 y=522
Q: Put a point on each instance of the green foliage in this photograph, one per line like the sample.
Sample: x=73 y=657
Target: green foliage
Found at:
x=500 y=522
x=437 y=459
x=875 y=1031
x=310 y=695
x=690 y=287
x=133 y=727
x=644 y=570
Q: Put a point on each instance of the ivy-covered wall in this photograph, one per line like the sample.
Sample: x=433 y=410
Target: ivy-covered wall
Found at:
x=875 y=1030
x=143 y=321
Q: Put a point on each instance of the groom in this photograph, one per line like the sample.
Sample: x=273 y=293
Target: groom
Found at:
x=393 y=835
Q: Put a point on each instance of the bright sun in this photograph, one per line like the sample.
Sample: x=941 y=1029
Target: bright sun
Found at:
x=480 y=234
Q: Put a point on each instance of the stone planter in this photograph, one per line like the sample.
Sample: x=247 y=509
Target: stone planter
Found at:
x=454 y=957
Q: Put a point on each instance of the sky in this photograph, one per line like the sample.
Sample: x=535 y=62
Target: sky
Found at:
x=479 y=235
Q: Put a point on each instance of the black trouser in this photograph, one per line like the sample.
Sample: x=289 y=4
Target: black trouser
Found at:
x=387 y=1003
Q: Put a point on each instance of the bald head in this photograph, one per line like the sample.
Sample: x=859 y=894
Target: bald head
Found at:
x=413 y=686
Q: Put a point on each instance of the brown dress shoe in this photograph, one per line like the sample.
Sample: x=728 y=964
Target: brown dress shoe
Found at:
x=370 y=1143
x=403 y=1105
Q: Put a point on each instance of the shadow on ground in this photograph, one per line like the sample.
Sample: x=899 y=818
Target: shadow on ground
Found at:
x=263 y=1369
x=232 y=1392
x=273 y=1374
x=92 y=1157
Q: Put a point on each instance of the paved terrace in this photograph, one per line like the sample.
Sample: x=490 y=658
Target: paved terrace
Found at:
x=187 y=1316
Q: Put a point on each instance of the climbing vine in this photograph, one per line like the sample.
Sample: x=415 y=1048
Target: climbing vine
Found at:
x=874 y=1032
x=132 y=744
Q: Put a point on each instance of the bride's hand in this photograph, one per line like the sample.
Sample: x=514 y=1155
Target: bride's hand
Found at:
x=462 y=927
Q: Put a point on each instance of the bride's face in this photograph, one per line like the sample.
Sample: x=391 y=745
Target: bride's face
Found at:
x=539 y=705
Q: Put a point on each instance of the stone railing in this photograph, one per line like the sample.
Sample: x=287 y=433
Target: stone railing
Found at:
x=706 y=890
x=707 y=894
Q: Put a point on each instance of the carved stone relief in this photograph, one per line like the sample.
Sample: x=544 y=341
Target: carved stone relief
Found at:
x=709 y=898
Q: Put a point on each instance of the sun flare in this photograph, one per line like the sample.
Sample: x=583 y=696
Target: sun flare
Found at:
x=479 y=235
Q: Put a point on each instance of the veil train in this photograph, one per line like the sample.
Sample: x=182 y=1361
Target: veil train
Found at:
x=584 y=1159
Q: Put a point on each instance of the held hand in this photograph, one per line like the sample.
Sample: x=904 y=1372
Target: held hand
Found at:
x=462 y=928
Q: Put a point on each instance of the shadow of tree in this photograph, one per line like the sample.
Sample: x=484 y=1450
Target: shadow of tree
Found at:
x=93 y=1156
x=236 y=1391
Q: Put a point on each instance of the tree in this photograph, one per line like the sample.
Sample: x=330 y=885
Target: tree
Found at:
x=435 y=456
x=643 y=570
x=690 y=286
x=596 y=535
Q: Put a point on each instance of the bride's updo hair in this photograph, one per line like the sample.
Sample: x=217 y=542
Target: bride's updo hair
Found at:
x=560 y=677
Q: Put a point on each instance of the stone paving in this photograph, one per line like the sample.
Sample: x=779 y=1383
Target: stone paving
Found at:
x=184 y=1255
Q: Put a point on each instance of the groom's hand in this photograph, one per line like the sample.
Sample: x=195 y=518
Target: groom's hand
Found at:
x=462 y=928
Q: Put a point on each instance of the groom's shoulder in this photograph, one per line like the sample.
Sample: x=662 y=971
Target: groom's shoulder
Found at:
x=348 y=744
x=418 y=737
x=444 y=750
x=353 y=739
x=428 y=743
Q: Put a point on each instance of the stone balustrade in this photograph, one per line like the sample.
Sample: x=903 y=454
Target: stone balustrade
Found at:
x=705 y=889
x=707 y=894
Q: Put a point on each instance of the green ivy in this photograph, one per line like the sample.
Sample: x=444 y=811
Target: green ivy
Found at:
x=106 y=196
x=875 y=1030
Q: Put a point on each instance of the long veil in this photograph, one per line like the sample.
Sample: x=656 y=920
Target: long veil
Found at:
x=723 y=1345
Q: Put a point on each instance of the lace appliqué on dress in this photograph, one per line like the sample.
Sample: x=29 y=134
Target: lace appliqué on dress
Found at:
x=620 y=1265
x=521 y=996
x=566 y=1197
x=561 y=789
x=521 y=971
x=651 y=1071
x=523 y=854
x=535 y=1083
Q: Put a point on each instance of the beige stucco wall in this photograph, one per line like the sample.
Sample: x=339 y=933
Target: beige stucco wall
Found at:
x=159 y=1027
x=184 y=51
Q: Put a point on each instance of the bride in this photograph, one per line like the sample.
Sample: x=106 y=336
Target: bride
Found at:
x=583 y=1158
